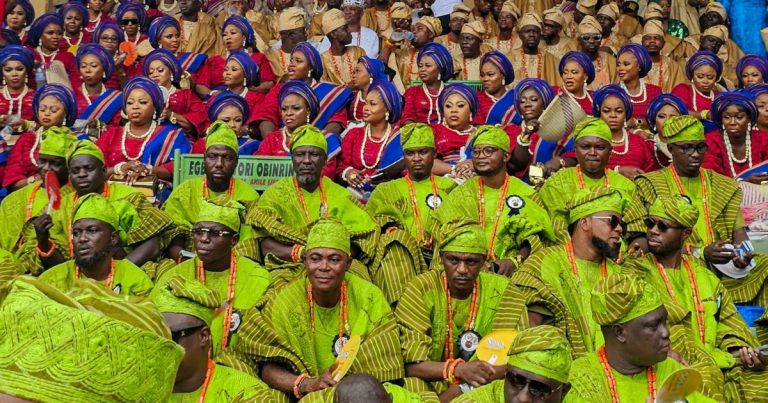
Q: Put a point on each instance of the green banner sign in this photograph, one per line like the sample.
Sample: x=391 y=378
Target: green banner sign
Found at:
x=259 y=172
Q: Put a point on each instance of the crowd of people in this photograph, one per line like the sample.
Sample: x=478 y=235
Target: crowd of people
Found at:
x=571 y=173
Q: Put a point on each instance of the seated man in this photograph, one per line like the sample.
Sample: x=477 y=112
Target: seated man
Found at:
x=84 y=346
x=537 y=370
x=297 y=336
x=403 y=207
x=471 y=50
x=141 y=225
x=29 y=231
x=95 y=226
x=592 y=138
x=219 y=164
x=188 y=307
x=687 y=281
x=505 y=207
x=556 y=282
x=437 y=352
x=239 y=282
x=633 y=364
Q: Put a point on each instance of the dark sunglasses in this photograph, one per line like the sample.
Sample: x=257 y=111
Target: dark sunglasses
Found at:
x=688 y=149
x=179 y=334
x=613 y=220
x=213 y=233
x=650 y=223
x=129 y=21
x=595 y=37
x=536 y=389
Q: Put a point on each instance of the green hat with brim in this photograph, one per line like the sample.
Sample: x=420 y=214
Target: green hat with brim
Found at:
x=417 y=135
x=223 y=211
x=220 y=134
x=308 y=135
x=95 y=206
x=542 y=350
x=463 y=237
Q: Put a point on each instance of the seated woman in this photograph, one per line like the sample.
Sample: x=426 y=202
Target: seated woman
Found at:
x=496 y=73
x=738 y=145
x=704 y=69
x=74 y=15
x=233 y=110
x=132 y=17
x=366 y=155
x=95 y=15
x=435 y=69
x=164 y=33
x=661 y=109
x=54 y=105
x=240 y=74
x=458 y=104
x=109 y=35
x=577 y=72
x=366 y=71
x=142 y=146
x=19 y=17
x=184 y=108
x=43 y=38
x=306 y=65
x=237 y=35
x=298 y=107
x=633 y=64
x=760 y=92
x=96 y=104
x=17 y=63
x=751 y=70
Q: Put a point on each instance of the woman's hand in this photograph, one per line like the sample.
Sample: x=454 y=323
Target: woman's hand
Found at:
x=165 y=114
x=532 y=126
x=354 y=178
x=119 y=59
x=757 y=179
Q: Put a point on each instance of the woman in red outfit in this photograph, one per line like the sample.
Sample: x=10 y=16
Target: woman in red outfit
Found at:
x=21 y=16
x=577 y=71
x=16 y=97
x=95 y=16
x=237 y=35
x=632 y=65
x=44 y=37
x=241 y=74
x=661 y=109
x=738 y=146
x=74 y=15
x=363 y=150
x=459 y=105
x=132 y=17
x=109 y=35
x=231 y=109
x=496 y=73
x=184 y=108
x=435 y=68
x=96 y=104
x=54 y=105
x=366 y=71
x=704 y=69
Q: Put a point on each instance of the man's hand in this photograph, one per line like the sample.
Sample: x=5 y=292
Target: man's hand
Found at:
x=751 y=359
x=43 y=225
x=506 y=267
x=474 y=373
x=321 y=382
x=717 y=253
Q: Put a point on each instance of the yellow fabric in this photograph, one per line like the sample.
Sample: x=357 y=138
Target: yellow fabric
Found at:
x=719 y=31
x=463 y=237
x=556 y=15
x=490 y=136
x=586 y=6
x=85 y=147
x=400 y=10
x=461 y=11
x=328 y=233
x=653 y=11
x=529 y=19
x=675 y=208
x=417 y=135
x=510 y=7
x=592 y=127
x=474 y=28
x=542 y=350
x=589 y=25
x=610 y=10
x=332 y=20
x=715 y=7
x=590 y=201
x=290 y=18
x=56 y=142
x=220 y=134
x=432 y=23
x=653 y=27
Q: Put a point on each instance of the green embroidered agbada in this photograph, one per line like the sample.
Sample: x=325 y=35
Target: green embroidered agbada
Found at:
x=490 y=393
x=532 y=224
x=422 y=315
x=17 y=234
x=563 y=184
x=228 y=385
x=128 y=279
x=280 y=333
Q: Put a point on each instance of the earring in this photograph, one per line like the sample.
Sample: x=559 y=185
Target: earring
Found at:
x=123 y=114
x=309 y=73
x=438 y=77
x=245 y=82
x=386 y=116
x=244 y=43
x=470 y=117
x=308 y=119
x=723 y=126
x=370 y=80
x=105 y=75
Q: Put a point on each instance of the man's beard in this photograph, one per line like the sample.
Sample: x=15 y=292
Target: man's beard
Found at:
x=605 y=249
x=307 y=179
x=89 y=263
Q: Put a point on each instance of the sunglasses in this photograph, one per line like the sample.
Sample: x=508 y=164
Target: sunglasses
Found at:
x=688 y=149
x=650 y=223
x=179 y=334
x=129 y=21
x=536 y=389
x=595 y=37
x=613 y=220
x=213 y=233
x=485 y=151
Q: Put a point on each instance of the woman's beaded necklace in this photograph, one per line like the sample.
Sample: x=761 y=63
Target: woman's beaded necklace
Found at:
x=144 y=137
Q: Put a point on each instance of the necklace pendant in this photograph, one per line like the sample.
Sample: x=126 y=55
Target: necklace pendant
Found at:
x=466 y=344
x=338 y=344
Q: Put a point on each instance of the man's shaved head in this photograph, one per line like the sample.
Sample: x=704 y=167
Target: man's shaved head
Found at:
x=361 y=388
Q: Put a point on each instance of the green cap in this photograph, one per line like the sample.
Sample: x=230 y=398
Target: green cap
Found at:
x=587 y=202
x=488 y=135
x=675 y=208
x=678 y=129
x=308 y=135
x=223 y=211
x=219 y=134
x=592 y=127
x=188 y=296
x=542 y=350
x=95 y=206
x=85 y=147
x=328 y=233
x=463 y=237
x=620 y=298
x=417 y=135
x=56 y=142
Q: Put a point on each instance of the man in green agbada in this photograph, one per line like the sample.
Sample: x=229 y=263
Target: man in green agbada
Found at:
x=555 y=283
x=403 y=207
x=141 y=225
x=687 y=281
x=463 y=281
x=295 y=337
x=592 y=144
x=95 y=227
x=188 y=307
x=28 y=226
x=219 y=164
x=88 y=345
x=538 y=366
x=509 y=210
x=632 y=319
x=238 y=281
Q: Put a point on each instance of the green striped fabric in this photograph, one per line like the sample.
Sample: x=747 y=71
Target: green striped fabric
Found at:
x=398 y=260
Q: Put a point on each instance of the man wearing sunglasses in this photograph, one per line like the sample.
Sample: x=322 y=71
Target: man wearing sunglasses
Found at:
x=592 y=146
x=632 y=365
x=687 y=281
x=590 y=39
x=555 y=282
x=507 y=208
x=188 y=307
x=537 y=370
x=239 y=282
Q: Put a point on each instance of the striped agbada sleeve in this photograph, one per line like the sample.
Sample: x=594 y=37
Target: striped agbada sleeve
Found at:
x=148 y=221
x=419 y=337
x=398 y=260
x=753 y=289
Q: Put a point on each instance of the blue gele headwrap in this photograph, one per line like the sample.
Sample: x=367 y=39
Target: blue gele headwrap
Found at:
x=641 y=55
x=244 y=26
x=20 y=54
x=77 y=6
x=742 y=99
x=703 y=58
x=659 y=102
x=250 y=68
x=462 y=89
x=539 y=85
x=502 y=63
x=168 y=59
x=375 y=68
x=442 y=57
x=607 y=91
x=104 y=26
x=157 y=27
x=313 y=57
x=106 y=59
x=225 y=99
x=755 y=61
x=303 y=90
x=39 y=25
x=391 y=97
x=149 y=86
x=63 y=94
x=583 y=60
